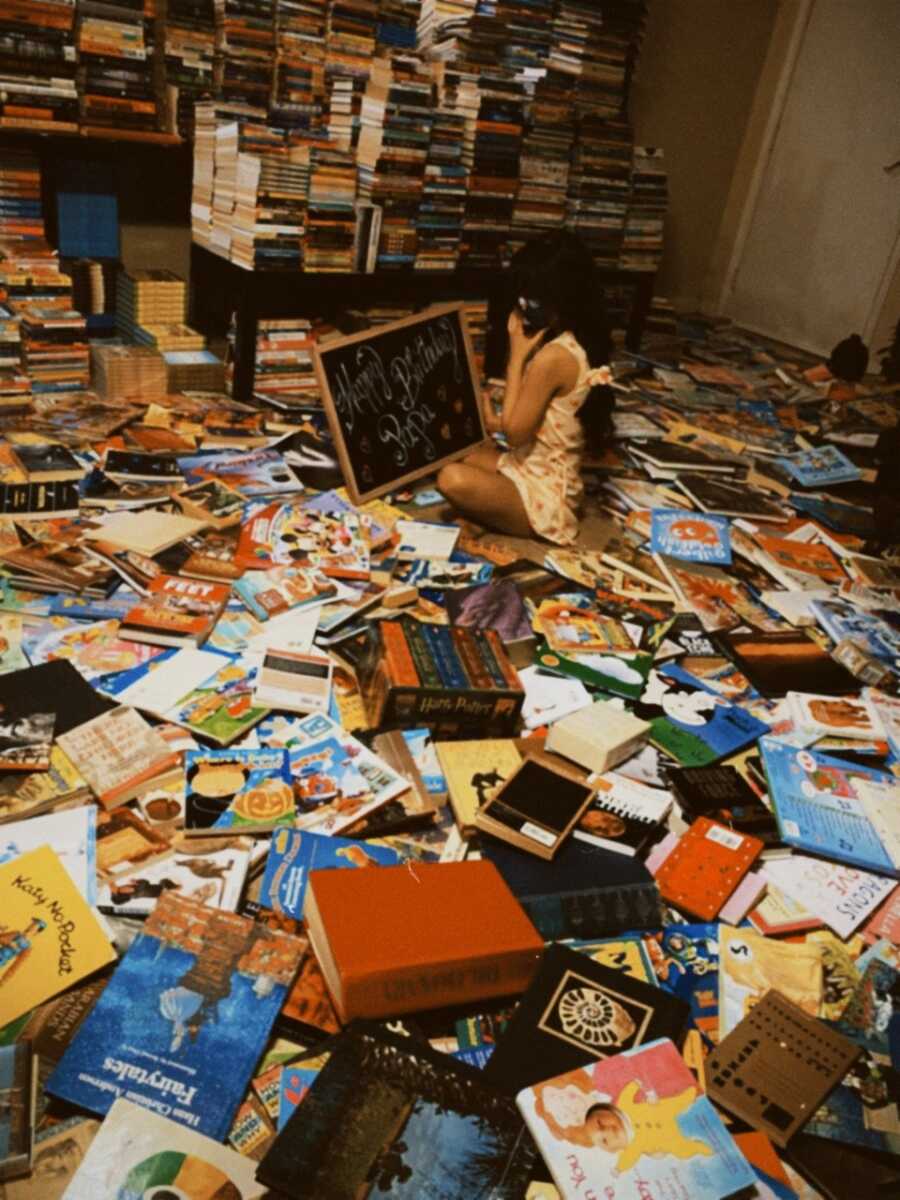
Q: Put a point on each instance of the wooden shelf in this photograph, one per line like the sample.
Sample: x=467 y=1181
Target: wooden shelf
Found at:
x=96 y=132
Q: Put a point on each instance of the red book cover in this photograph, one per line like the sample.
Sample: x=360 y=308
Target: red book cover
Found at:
x=706 y=866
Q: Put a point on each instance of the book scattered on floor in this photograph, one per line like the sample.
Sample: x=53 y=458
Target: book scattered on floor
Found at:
x=449 y=954
x=694 y=537
x=599 y=737
x=473 y=771
x=293 y=682
x=635 y=1123
x=119 y=754
x=18 y=1086
x=624 y=816
x=237 y=791
x=198 y=987
x=705 y=867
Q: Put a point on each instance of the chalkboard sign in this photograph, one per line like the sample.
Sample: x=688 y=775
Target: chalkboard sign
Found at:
x=401 y=400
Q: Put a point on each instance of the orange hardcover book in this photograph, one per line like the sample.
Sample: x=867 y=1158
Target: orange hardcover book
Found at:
x=706 y=866
x=445 y=933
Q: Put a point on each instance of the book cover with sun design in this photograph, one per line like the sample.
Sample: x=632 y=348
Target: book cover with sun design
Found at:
x=693 y=537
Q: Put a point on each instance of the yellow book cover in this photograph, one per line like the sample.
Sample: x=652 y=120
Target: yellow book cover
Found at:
x=474 y=771
x=49 y=937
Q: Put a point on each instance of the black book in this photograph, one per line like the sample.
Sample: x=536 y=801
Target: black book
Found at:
x=131 y=464
x=576 y=1011
x=585 y=892
x=49 y=463
x=51 y=500
x=388 y=1113
x=53 y=687
x=776 y=663
x=722 y=793
x=843 y=1172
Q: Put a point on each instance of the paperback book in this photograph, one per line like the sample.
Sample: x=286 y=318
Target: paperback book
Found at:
x=237 y=791
x=693 y=537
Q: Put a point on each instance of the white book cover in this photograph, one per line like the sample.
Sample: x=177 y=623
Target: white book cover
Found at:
x=426 y=539
x=881 y=804
x=549 y=698
x=843 y=897
x=72 y=835
x=835 y=716
x=209 y=871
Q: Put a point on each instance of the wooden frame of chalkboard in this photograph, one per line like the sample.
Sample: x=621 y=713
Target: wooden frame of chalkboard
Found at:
x=402 y=399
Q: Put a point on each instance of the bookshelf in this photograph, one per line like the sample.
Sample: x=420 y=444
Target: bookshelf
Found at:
x=219 y=287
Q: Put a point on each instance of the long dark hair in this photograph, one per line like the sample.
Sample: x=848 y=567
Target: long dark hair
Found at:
x=557 y=271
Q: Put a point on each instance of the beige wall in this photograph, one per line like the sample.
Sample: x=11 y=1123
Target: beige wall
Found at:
x=693 y=89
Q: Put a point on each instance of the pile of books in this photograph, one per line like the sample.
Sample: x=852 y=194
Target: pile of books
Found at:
x=189 y=43
x=55 y=349
x=349 y=51
x=116 y=86
x=37 y=65
x=330 y=229
x=600 y=186
x=193 y=371
x=299 y=102
x=151 y=306
x=134 y=372
x=302 y=746
x=643 y=234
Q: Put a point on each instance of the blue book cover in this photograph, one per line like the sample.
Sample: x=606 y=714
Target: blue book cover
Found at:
x=84 y=608
x=817 y=808
x=694 y=726
x=690 y=536
x=820 y=467
x=238 y=791
x=686 y=961
x=421 y=747
x=182 y=1023
x=293 y=853
x=842 y=620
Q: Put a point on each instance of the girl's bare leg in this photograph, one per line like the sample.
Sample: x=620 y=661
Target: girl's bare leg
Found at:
x=485 y=496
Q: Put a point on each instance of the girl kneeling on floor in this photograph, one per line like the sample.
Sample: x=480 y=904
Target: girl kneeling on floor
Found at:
x=556 y=404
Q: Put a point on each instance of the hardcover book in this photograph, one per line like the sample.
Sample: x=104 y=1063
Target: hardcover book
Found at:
x=119 y=754
x=389 y=1114
x=137 y=1152
x=237 y=791
x=448 y=953
x=49 y=463
x=586 y=891
x=473 y=771
x=598 y=737
x=182 y=1023
x=574 y=1011
x=635 y=1124
x=50 y=938
x=293 y=853
x=705 y=867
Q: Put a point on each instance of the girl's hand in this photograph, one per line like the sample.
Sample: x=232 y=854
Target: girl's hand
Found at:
x=520 y=342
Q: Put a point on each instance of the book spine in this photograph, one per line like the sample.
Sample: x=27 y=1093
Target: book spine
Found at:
x=441 y=645
x=425 y=665
x=467 y=650
x=397 y=654
x=507 y=670
x=601 y=912
x=486 y=654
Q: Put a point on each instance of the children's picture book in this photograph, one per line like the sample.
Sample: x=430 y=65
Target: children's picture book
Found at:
x=841 y=897
x=693 y=537
x=835 y=716
x=750 y=964
x=820 y=467
x=94 y=648
x=819 y=808
x=571 y=628
x=269 y=593
x=626 y=953
x=796 y=564
x=635 y=1124
x=293 y=853
x=182 y=1023
x=841 y=620
x=213 y=502
x=50 y=938
x=433 y=1127
x=71 y=834
x=139 y=1153
x=258 y=473
x=693 y=725
x=296 y=1078
x=549 y=697
x=176 y=611
x=210 y=871
x=441 y=575
x=58 y=1152
x=425 y=539
x=237 y=791
x=119 y=754
x=575 y=1010
x=26 y=737
x=617 y=673
x=685 y=958
x=337 y=780
x=424 y=754
x=12 y=655
x=222 y=708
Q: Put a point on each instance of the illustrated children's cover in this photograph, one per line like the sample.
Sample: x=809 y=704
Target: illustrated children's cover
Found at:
x=237 y=791
x=281 y=589
x=183 y=1021
x=138 y=1153
x=750 y=964
x=693 y=537
x=686 y=960
x=635 y=1125
x=294 y=853
x=49 y=937
x=208 y=870
x=389 y=1115
x=72 y=834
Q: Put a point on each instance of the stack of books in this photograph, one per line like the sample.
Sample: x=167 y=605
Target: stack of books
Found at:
x=349 y=50
x=189 y=45
x=284 y=363
x=600 y=186
x=115 y=66
x=245 y=45
x=193 y=371
x=148 y=299
x=270 y=209
x=331 y=217
x=393 y=145
x=440 y=20
x=397 y=23
x=55 y=349
x=37 y=65
x=495 y=172
x=136 y=372
x=546 y=157
x=642 y=241
x=15 y=385
x=300 y=99
x=209 y=117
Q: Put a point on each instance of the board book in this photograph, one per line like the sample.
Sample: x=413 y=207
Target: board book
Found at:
x=705 y=867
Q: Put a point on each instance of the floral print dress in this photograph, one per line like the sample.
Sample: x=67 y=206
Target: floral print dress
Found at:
x=547 y=470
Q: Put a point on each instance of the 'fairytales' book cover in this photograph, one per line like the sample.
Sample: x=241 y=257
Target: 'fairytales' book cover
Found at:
x=184 y=1019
